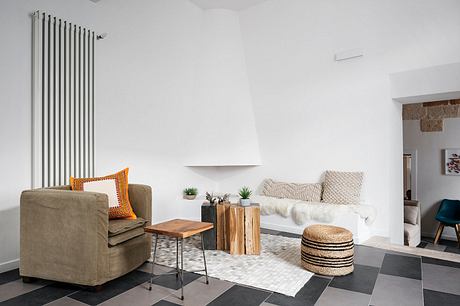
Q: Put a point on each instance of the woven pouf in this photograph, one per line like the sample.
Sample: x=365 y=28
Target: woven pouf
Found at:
x=327 y=250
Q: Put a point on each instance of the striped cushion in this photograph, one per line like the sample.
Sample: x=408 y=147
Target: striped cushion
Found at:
x=304 y=192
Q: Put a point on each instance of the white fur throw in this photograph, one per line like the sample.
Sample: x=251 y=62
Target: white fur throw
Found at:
x=302 y=211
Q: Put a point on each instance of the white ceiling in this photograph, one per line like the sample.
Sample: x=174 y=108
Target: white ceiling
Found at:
x=226 y=4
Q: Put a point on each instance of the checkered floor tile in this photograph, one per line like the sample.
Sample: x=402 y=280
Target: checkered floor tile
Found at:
x=380 y=278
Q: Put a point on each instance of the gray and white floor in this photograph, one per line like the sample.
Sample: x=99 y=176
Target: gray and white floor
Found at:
x=381 y=277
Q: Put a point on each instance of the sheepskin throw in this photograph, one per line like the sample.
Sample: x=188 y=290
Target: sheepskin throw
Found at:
x=302 y=211
x=304 y=192
x=342 y=187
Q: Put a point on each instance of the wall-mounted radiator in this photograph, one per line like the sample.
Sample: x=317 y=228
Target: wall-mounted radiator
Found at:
x=63 y=101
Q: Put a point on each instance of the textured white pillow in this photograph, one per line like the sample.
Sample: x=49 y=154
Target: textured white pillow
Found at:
x=342 y=187
x=304 y=192
x=410 y=214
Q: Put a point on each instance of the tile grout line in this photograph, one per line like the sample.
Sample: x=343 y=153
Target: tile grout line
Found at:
x=266 y=298
x=378 y=273
x=68 y=295
x=328 y=283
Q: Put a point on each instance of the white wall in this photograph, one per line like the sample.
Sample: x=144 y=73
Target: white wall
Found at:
x=432 y=184
x=15 y=101
x=222 y=129
x=314 y=114
x=145 y=88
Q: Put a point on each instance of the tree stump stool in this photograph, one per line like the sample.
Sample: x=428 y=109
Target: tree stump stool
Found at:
x=236 y=228
x=327 y=250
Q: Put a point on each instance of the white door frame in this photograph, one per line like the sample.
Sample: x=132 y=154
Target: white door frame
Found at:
x=413 y=171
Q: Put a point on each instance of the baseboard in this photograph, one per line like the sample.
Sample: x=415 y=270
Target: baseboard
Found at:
x=9 y=265
x=282 y=228
x=379 y=232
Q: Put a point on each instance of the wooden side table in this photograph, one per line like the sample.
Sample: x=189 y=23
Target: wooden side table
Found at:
x=236 y=228
x=179 y=229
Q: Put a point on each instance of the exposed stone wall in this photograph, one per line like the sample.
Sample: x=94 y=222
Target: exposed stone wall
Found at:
x=431 y=114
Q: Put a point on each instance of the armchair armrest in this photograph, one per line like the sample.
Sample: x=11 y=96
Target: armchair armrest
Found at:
x=64 y=235
x=140 y=197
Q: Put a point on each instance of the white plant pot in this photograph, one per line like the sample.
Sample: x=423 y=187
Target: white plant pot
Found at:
x=189 y=196
x=245 y=202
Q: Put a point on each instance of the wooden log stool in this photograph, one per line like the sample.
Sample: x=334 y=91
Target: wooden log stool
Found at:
x=327 y=250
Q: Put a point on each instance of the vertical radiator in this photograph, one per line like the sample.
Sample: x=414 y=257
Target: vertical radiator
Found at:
x=63 y=101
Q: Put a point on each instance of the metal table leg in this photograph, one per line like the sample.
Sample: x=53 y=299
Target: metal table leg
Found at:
x=153 y=261
x=182 y=268
x=204 y=259
x=177 y=257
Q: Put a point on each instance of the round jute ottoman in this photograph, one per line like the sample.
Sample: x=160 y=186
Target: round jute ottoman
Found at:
x=327 y=250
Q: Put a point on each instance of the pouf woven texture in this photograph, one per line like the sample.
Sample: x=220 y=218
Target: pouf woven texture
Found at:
x=327 y=250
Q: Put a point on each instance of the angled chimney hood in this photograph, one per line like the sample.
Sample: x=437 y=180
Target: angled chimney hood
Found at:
x=223 y=131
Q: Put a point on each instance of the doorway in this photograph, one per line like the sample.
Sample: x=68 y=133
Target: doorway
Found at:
x=410 y=175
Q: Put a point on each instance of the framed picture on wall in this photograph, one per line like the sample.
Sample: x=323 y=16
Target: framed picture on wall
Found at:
x=452 y=161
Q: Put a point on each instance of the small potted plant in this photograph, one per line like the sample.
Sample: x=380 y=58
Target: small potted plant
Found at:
x=190 y=193
x=245 y=194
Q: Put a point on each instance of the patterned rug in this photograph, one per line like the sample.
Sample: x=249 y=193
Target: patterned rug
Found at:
x=277 y=268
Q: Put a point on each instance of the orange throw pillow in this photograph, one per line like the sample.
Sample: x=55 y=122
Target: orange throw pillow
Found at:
x=116 y=188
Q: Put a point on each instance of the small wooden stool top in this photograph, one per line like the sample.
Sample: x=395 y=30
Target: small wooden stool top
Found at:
x=179 y=228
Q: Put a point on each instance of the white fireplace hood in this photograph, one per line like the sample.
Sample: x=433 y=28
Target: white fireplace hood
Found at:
x=222 y=130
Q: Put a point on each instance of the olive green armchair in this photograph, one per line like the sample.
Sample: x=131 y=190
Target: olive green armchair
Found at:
x=67 y=236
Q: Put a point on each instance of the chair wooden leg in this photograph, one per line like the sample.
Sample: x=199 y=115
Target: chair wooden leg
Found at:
x=457 y=231
x=438 y=233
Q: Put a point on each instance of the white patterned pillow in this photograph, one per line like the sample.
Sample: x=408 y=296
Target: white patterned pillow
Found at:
x=342 y=187
x=304 y=192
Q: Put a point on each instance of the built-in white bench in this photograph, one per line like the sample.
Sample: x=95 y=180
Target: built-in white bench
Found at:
x=293 y=216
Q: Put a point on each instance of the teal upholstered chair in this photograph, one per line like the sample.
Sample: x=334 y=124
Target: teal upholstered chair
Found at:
x=448 y=215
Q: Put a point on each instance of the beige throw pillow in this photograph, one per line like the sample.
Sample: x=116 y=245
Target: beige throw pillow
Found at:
x=342 y=187
x=410 y=214
x=304 y=192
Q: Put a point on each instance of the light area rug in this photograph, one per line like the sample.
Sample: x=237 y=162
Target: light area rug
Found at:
x=277 y=268
x=384 y=243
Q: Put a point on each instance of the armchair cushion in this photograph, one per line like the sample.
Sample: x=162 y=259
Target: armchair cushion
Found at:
x=119 y=226
x=411 y=234
x=125 y=236
x=410 y=214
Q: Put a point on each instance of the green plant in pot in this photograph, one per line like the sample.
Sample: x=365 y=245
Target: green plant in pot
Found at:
x=245 y=194
x=190 y=193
